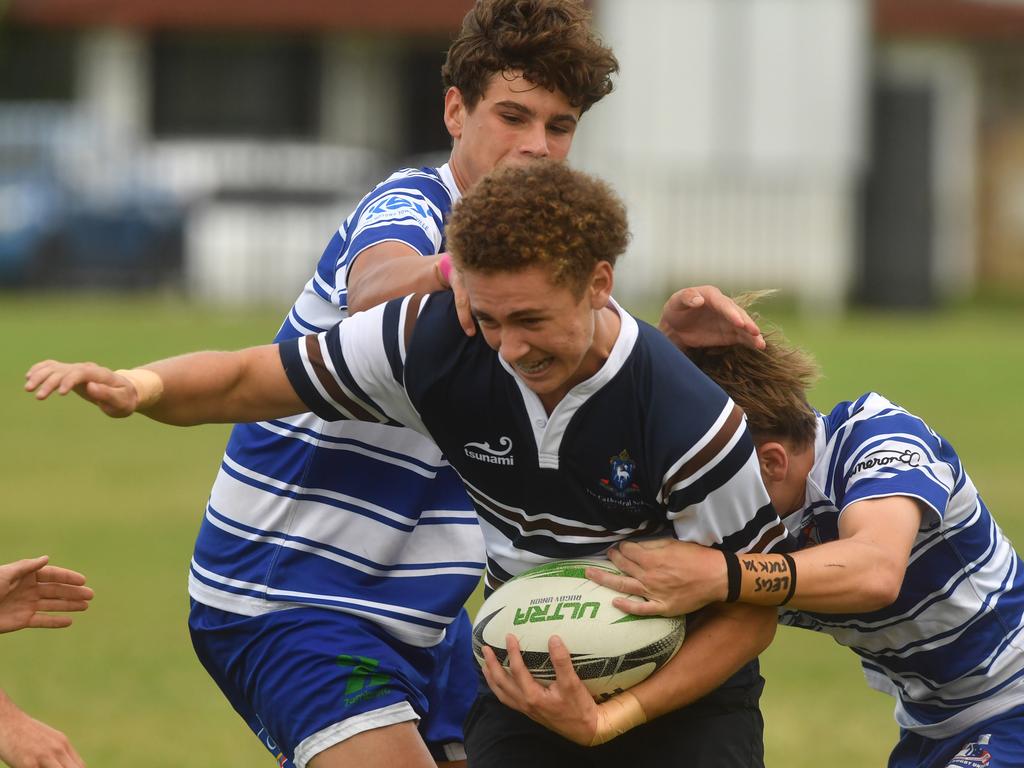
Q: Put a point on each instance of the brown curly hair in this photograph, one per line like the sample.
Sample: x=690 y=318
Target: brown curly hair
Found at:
x=770 y=385
x=543 y=213
x=549 y=41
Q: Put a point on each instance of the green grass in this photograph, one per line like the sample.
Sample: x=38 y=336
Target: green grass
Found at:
x=121 y=501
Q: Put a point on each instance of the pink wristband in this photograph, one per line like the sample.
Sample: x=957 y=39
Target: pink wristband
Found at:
x=444 y=267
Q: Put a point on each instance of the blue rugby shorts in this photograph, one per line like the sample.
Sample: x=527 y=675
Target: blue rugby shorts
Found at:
x=996 y=743
x=305 y=679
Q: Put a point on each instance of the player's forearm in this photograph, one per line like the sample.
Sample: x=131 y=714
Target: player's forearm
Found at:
x=391 y=279
x=222 y=387
x=845 y=576
x=722 y=639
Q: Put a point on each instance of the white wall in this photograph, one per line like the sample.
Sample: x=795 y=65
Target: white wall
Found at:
x=735 y=134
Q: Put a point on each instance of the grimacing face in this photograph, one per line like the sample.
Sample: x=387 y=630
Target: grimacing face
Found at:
x=515 y=121
x=548 y=335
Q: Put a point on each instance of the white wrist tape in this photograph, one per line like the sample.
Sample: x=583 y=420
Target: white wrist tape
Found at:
x=616 y=716
x=148 y=386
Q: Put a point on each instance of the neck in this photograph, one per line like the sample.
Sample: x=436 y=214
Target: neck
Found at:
x=453 y=166
x=607 y=325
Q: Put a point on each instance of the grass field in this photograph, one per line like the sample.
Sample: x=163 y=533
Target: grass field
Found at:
x=121 y=502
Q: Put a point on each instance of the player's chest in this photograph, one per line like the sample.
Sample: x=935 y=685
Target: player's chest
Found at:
x=598 y=469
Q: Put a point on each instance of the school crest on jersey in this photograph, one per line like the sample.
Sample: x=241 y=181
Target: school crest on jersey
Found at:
x=973 y=754
x=620 y=476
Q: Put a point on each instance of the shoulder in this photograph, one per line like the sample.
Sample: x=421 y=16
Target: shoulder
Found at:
x=872 y=416
x=409 y=191
x=671 y=376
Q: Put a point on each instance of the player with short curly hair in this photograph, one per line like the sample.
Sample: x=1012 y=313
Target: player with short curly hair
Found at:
x=567 y=229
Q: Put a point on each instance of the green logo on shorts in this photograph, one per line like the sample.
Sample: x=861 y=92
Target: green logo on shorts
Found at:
x=363 y=679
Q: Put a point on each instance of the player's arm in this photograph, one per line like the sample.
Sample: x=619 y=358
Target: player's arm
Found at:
x=198 y=388
x=394 y=269
x=390 y=270
x=861 y=571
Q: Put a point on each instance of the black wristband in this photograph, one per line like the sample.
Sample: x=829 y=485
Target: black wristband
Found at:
x=734 y=575
x=792 y=578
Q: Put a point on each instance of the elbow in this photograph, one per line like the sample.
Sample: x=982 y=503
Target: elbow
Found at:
x=357 y=301
x=766 y=633
x=881 y=588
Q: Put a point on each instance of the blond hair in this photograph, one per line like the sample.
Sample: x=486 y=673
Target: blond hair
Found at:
x=770 y=385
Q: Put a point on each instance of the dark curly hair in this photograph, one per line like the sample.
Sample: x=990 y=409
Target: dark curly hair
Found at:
x=542 y=213
x=549 y=41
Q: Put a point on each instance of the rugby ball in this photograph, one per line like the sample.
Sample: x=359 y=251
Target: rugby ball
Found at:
x=610 y=650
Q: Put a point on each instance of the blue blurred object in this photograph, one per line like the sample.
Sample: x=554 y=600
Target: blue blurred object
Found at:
x=74 y=210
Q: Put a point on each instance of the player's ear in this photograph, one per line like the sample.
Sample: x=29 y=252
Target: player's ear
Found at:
x=454 y=112
x=773 y=460
x=600 y=287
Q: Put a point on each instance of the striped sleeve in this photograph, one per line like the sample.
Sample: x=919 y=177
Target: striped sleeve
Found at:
x=714 y=493
x=354 y=370
x=408 y=209
x=890 y=452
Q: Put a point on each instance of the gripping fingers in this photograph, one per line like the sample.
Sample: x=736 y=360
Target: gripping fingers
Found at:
x=561 y=661
x=620 y=583
x=516 y=666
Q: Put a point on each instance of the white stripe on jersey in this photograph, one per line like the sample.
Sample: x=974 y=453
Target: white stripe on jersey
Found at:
x=251 y=606
x=289 y=540
x=361 y=450
x=697 y=448
x=512 y=515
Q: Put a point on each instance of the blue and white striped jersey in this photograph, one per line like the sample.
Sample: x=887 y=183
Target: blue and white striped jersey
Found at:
x=647 y=445
x=951 y=648
x=363 y=518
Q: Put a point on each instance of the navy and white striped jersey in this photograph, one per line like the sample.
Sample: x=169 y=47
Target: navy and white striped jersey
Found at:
x=363 y=518
x=648 y=445
x=951 y=648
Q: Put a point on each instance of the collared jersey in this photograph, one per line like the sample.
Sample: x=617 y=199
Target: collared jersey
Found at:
x=648 y=445
x=951 y=647
x=368 y=519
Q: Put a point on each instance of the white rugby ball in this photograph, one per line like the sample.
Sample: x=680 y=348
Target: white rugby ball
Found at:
x=610 y=650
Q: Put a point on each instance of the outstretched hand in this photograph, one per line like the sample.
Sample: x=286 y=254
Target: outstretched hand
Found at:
x=30 y=590
x=676 y=577
x=112 y=393
x=705 y=317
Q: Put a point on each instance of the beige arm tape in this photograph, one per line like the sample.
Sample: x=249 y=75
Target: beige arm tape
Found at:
x=148 y=386
x=616 y=716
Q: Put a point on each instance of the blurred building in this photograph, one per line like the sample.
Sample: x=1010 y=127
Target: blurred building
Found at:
x=830 y=148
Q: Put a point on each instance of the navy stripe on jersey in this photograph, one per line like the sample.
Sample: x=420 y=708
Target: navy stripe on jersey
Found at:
x=393 y=347
x=765 y=520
